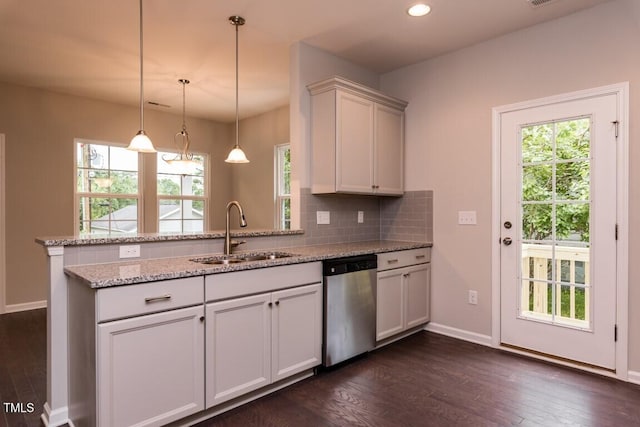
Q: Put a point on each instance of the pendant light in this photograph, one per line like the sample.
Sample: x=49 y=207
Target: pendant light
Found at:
x=183 y=162
x=141 y=141
x=237 y=155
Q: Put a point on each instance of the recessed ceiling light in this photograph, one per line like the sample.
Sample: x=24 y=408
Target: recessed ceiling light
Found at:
x=419 y=9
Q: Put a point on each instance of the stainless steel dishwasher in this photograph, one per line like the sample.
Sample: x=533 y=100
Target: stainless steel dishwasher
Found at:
x=349 y=308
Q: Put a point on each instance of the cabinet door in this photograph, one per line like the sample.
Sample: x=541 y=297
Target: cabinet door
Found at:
x=150 y=369
x=354 y=143
x=390 y=304
x=238 y=347
x=296 y=330
x=388 y=151
x=417 y=283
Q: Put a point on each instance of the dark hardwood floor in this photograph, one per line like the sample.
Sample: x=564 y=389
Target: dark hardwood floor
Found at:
x=423 y=380
x=23 y=367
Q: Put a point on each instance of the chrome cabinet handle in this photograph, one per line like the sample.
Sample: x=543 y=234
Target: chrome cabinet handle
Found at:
x=420 y=256
x=155 y=299
x=392 y=261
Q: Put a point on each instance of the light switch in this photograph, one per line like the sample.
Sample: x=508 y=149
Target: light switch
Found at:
x=323 y=217
x=467 y=217
x=360 y=217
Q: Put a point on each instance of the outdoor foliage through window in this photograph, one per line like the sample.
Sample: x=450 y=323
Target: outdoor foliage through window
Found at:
x=107 y=189
x=556 y=181
x=182 y=197
x=283 y=186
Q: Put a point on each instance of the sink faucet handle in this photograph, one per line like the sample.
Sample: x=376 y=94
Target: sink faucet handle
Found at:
x=236 y=243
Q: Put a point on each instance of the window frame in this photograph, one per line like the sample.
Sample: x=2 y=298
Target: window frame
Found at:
x=280 y=222
x=204 y=198
x=78 y=195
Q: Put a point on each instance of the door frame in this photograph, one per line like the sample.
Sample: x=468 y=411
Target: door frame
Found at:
x=3 y=262
x=622 y=218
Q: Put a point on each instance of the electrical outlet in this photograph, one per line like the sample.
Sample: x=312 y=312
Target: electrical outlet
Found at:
x=473 y=297
x=323 y=217
x=467 y=217
x=360 y=217
x=130 y=251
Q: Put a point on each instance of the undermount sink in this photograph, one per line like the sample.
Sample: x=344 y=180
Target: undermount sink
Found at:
x=223 y=261
x=237 y=258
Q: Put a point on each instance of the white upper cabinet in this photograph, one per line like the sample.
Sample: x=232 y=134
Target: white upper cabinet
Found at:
x=357 y=138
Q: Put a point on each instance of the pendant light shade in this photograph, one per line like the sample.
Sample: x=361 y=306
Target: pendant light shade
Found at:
x=183 y=162
x=141 y=142
x=237 y=155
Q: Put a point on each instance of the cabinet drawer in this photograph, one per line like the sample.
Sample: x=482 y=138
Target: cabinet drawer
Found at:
x=133 y=300
x=239 y=283
x=398 y=259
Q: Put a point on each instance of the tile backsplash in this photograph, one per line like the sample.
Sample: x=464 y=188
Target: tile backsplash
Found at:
x=407 y=218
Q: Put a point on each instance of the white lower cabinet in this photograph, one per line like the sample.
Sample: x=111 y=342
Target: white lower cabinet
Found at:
x=390 y=304
x=151 y=368
x=155 y=353
x=403 y=292
x=256 y=340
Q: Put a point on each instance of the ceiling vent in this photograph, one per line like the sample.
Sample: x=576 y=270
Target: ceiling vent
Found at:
x=538 y=3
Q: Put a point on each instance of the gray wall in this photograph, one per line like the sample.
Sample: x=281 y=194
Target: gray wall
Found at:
x=448 y=138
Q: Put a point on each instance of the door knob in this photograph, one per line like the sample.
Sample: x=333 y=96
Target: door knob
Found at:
x=507 y=241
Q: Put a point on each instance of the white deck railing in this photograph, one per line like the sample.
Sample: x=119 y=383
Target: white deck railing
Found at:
x=541 y=254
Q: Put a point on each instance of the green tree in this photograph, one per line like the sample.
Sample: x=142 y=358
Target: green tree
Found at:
x=569 y=162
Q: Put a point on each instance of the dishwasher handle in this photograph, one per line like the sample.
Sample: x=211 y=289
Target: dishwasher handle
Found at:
x=338 y=266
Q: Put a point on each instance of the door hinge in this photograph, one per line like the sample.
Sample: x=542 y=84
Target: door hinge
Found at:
x=615 y=333
x=616 y=231
x=616 y=123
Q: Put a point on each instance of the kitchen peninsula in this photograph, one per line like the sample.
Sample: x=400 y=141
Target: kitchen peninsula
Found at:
x=90 y=285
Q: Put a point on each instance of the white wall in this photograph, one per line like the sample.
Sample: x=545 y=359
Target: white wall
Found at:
x=3 y=268
x=448 y=138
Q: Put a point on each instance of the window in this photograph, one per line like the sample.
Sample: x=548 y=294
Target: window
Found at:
x=107 y=189
x=283 y=187
x=182 y=198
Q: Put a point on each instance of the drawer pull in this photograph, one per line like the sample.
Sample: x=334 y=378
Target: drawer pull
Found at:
x=392 y=261
x=420 y=256
x=155 y=299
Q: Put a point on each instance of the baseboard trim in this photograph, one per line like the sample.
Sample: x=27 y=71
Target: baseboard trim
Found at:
x=633 y=377
x=459 y=333
x=14 y=308
x=55 y=418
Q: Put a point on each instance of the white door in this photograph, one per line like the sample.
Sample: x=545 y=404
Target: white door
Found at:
x=390 y=304
x=388 y=154
x=354 y=146
x=2 y=226
x=238 y=347
x=296 y=330
x=151 y=368
x=558 y=229
x=417 y=281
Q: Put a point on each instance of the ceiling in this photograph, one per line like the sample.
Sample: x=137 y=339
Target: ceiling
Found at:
x=90 y=48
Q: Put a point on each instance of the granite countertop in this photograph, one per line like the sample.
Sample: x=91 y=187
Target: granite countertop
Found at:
x=155 y=237
x=149 y=270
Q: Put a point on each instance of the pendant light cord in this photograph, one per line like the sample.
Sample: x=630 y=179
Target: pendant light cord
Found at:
x=237 y=116
x=184 y=108
x=141 y=74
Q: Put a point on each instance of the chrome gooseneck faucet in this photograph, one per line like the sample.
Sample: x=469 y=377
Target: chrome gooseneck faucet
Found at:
x=243 y=223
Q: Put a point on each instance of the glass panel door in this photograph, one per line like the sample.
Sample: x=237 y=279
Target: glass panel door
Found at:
x=555 y=207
